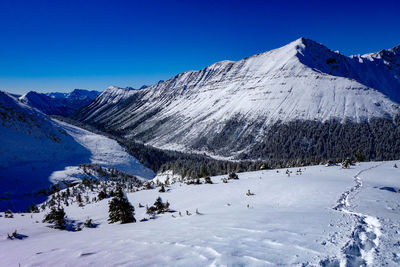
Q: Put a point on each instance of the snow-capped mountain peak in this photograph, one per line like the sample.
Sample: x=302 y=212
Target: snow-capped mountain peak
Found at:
x=240 y=100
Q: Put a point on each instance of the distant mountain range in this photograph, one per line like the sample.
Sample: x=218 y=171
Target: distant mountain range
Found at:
x=298 y=102
x=63 y=104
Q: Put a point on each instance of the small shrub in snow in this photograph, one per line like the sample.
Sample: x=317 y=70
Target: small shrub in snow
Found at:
x=207 y=180
x=8 y=214
x=233 y=175
x=16 y=235
x=162 y=190
x=249 y=193
x=89 y=223
x=158 y=207
x=347 y=163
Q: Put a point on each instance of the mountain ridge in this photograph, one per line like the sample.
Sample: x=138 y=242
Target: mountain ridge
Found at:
x=64 y=104
x=241 y=100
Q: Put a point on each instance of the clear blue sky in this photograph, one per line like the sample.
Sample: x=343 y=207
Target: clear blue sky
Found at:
x=61 y=45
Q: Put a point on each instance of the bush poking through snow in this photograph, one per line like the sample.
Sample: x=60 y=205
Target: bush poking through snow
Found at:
x=56 y=216
x=347 y=163
x=120 y=210
x=249 y=193
x=89 y=223
x=16 y=235
x=158 y=207
x=8 y=214
x=162 y=190
x=233 y=175
x=13 y=235
x=207 y=180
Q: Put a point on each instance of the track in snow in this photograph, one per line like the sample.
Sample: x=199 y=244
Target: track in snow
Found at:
x=364 y=240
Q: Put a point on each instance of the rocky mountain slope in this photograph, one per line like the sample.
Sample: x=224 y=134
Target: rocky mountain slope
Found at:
x=245 y=108
x=63 y=104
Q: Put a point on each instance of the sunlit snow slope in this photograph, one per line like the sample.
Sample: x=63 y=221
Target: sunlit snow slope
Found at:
x=107 y=152
x=289 y=221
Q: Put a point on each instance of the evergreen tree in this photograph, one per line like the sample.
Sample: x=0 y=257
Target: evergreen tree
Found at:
x=204 y=172
x=56 y=216
x=79 y=198
x=158 y=207
x=162 y=190
x=359 y=156
x=120 y=210
x=102 y=195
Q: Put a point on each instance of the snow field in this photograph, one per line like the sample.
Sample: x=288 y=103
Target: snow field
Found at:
x=289 y=221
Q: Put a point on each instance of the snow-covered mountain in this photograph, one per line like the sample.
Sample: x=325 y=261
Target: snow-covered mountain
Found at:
x=32 y=146
x=63 y=104
x=231 y=106
x=37 y=152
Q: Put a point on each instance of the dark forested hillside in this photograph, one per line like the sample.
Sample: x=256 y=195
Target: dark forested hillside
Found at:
x=296 y=143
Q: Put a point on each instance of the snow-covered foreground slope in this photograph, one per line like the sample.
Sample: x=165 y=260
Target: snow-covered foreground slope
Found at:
x=326 y=215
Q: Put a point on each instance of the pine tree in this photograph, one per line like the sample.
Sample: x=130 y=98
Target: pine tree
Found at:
x=158 y=207
x=102 y=195
x=57 y=217
x=79 y=198
x=120 y=210
x=204 y=172
x=159 y=204
x=162 y=190
x=359 y=156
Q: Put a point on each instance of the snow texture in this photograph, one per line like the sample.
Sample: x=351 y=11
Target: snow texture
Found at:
x=321 y=216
